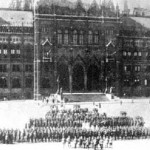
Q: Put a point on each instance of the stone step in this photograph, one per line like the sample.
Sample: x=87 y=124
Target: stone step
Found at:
x=85 y=97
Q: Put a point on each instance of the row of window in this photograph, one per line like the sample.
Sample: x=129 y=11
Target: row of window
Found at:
x=128 y=54
x=16 y=82
x=16 y=68
x=15 y=53
x=137 y=43
x=128 y=68
x=15 y=40
x=77 y=37
x=136 y=82
x=136 y=68
x=16 y=29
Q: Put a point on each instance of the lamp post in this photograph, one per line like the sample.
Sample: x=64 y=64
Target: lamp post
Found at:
x=70 y=68
x=106 y=64
x=36 y=55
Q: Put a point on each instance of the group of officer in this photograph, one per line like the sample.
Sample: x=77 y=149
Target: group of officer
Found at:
x=77 y=118
x=82 y=127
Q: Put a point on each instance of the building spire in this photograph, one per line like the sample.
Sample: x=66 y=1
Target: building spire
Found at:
x=126 y=5
x=126 y=10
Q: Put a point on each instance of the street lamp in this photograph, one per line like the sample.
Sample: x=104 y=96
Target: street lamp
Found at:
x=71 y=62
x=106 y=63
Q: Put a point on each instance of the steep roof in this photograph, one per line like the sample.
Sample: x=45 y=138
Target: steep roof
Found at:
x=3 y=22
x=16 y=18
x=145 y=22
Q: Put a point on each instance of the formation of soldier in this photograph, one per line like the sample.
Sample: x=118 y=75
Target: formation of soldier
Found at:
x=78 y=127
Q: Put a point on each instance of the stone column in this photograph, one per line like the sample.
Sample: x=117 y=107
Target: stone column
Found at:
x=36 y=60
x=85 y=80
x=102 y=80
x=70 y=78
x=118 y=80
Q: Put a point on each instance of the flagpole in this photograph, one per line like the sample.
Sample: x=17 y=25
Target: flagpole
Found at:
x=36 y=56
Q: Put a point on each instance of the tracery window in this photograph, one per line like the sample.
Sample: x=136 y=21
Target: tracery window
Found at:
x=81 y=38
x=96 y=37
x=59 y=37
x=66 y=37
x=75 y=37
x=90 y=37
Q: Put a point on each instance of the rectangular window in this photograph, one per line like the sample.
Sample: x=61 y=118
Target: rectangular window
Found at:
x=5 y=51
x=29 y=68
x=124 y=53
x=129 y=53
x=135 y=54
x=148 y=68
x=127 y=82
x=3 y=68
x=139 y=54
x=137 y=68
x=127 y=68
x=16 y=68
x=18 y=51
x=12 y=51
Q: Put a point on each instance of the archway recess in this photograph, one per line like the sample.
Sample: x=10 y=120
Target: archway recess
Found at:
x=78 y=78
x=63 y=74
x=93 y=78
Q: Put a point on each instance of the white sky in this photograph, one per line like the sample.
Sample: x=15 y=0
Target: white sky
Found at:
x=131 y=3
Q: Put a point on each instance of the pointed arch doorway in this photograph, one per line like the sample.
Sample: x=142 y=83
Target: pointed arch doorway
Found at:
x=78 y=78
x=93 y=78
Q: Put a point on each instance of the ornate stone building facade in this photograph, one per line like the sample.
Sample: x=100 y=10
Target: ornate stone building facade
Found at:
x=76 y=47
x=134 y=49
x=16 y=54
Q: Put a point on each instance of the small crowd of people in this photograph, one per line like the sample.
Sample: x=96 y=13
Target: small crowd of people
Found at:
x=77 y=128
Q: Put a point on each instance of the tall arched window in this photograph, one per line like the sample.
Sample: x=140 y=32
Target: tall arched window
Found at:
x=59 y=37
x=16 y=83
x=96 y=37
x=81 y=38
x=66 y=37
x=75 y=37
x=3 y=82
x=90 y=37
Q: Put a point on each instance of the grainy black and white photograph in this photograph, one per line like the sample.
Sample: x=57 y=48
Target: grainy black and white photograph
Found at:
x=74 y=74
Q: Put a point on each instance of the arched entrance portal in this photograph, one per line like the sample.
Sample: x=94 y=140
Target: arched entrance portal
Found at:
x=78 y=78
x=93 y=78
x=63 y=76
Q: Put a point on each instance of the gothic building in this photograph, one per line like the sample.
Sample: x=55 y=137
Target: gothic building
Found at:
x=76 y=46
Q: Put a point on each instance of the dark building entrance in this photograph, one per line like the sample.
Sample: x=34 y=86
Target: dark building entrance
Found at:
x=78 y=78
x=93 y=78
x=63 y=76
